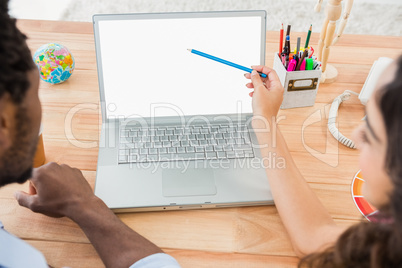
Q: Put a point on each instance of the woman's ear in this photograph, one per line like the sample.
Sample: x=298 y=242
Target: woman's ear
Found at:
x=7 y=122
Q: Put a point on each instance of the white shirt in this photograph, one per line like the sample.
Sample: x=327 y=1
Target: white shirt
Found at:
x=158 y=260
x=15 y=253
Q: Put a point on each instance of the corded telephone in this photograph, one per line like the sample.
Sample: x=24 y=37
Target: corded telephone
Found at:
x=375 y=72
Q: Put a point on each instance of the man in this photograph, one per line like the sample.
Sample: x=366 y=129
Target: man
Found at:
x=56 y=190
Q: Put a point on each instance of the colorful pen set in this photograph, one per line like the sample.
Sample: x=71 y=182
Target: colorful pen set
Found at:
x=300 y=59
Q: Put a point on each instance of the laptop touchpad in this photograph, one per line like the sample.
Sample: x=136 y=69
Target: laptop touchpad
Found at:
x=199 y=181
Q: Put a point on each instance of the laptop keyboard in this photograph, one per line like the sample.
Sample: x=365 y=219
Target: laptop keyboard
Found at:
x=184 y=143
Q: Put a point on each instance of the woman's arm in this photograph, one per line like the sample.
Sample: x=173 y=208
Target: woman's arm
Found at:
x=308 y=223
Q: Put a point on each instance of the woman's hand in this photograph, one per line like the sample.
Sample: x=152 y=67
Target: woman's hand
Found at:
x=268 y=92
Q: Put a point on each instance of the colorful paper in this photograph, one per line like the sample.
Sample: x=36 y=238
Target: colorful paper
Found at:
x=365 y=208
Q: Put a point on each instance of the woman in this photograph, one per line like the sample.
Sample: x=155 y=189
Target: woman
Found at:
x=317 y=239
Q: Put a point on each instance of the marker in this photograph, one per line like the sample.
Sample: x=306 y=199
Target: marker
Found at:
x=303 y=65
x=199 y=53
x=309 y=64
x=292 y=65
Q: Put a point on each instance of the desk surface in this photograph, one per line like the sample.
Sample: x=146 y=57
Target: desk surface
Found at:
x=231 y=237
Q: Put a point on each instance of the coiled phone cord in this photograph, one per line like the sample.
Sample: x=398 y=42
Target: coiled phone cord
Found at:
x=332 y=119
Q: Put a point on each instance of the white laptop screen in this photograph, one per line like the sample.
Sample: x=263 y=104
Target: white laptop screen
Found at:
x=148 y=71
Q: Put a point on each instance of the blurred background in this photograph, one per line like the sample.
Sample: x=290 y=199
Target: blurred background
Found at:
x=376 y=17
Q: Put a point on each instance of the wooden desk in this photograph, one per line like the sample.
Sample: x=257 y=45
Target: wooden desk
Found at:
x=232 y=237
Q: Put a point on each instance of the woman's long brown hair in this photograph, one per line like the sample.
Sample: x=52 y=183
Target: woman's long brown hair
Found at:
x=376 y=244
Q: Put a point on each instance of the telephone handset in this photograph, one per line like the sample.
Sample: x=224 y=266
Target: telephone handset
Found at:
x=375 y=72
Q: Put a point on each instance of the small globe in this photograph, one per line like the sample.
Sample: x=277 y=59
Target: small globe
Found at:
x=55 y=63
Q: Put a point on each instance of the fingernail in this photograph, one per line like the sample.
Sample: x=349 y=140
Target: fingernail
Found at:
x=254 y=72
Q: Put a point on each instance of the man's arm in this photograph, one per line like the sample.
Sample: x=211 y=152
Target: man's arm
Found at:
x=59 y=190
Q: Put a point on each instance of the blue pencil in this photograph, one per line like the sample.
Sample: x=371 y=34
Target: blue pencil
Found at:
x=249 y=70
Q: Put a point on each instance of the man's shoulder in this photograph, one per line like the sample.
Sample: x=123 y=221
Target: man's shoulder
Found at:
x=157 y=260
x=15 y=252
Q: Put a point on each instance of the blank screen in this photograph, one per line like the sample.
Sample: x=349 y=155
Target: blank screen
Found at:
x=148 y=71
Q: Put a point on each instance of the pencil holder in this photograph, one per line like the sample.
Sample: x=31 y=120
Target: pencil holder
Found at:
x=300 y=86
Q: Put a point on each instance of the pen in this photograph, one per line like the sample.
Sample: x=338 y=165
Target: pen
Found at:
x=287 y=61
x=288 y=38
x=316 y=65
x=296 y=58
x=288 y=43
x=310 y=52
x=301 y=60
x=288 y=30
x=308 y=36
x=281 y=40
x=285 y=53
x=297 y=52
x=199 y=53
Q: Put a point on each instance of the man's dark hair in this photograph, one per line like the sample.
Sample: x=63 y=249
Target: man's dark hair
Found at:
x=15 y=57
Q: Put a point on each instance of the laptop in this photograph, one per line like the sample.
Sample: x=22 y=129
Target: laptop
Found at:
x=176 y=130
